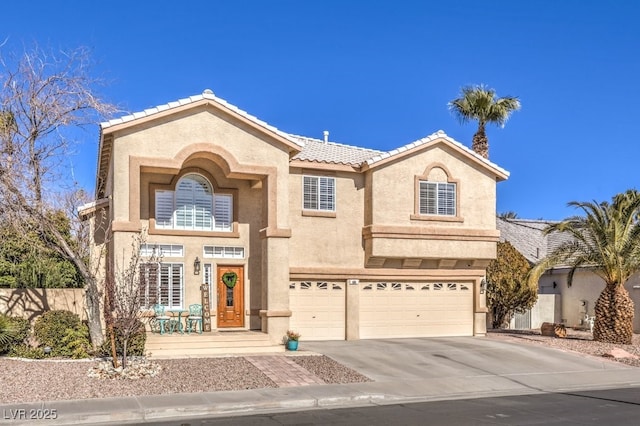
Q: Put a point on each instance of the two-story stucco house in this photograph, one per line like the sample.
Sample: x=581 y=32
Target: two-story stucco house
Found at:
x=331 y=240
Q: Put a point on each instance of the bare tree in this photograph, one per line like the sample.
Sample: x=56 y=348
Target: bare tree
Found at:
x=125 y=296
x=45 y=98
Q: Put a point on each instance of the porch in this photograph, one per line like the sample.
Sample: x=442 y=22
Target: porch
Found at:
x=209 y=344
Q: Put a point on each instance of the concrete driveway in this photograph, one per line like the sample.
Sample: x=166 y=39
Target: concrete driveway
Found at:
x=403 y=371
x=461 y=365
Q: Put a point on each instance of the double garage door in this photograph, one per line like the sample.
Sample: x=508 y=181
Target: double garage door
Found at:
x=386 y=309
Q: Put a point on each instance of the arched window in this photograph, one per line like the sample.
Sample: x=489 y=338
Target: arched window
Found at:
x=193 y=206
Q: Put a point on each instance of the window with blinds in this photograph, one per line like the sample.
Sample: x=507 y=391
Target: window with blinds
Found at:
x=194 y=206
x=319 y=193
x=161 y=284
x=437 y=198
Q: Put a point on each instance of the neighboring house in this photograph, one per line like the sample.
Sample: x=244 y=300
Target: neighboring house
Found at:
x=331 y=240
x=569 y=304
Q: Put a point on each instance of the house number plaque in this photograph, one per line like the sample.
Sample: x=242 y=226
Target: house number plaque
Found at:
x=206 y=308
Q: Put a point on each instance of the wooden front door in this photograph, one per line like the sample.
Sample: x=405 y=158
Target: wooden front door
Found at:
x=230 y=287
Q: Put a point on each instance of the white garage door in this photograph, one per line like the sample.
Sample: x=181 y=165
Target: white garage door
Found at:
x=318 y=309
x=415 y=310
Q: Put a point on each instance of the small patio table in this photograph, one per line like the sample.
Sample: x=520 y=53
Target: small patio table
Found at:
x=178 y=313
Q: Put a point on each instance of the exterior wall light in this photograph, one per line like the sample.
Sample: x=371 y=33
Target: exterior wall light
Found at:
x=483 y=286
x=196 y=266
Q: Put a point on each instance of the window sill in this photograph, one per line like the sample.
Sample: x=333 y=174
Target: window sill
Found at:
x=318 y=213
x=437 y=218
x=183 y=232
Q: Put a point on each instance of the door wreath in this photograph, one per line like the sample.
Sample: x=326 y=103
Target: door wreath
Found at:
x=230 y=279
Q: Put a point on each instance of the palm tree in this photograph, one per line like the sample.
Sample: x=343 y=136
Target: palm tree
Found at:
x=508 y=215
x=607 y=241
x=480 y=103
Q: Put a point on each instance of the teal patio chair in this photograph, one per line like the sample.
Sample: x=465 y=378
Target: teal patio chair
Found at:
x=163 y=320
x=194 y=318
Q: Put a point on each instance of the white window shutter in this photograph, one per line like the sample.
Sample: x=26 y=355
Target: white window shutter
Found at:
x=184 y=204
x=223 y=212
x=164 y=209
x=176 y=286
x=437 y=198
x=327 y=193
x=203 y=203
x=310 y=193
x=319 y=193
x=163 y=288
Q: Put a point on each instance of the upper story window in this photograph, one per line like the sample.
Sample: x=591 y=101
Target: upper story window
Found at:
x=437 y=198
x=194 y=206
x=319 y=193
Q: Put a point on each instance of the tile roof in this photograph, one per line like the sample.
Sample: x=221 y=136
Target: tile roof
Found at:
x=526 y=236
x=331 y=152
x=313 y=150
x=437 y=135
x=207 y=94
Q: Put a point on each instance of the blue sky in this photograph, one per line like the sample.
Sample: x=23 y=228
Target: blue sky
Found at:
x=379 y=74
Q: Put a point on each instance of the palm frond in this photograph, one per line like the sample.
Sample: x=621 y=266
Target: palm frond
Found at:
x=480 y=103
x=606 y=238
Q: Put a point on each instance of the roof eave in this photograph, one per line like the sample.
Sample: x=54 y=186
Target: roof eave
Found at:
x=426 y=143
x=169 y=109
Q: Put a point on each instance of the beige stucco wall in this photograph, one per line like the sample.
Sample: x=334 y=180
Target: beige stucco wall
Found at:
x=30 y=303
x=397 y=230
x=393 y=193
x=167 y=138
x=333 y=241
x=586 y=286
x=233 y=156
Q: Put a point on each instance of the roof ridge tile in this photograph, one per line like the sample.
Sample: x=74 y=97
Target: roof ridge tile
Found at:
x=208 y=95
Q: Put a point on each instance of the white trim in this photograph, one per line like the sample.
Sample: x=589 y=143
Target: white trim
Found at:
x=223 y=252
x=165 y=250
x=440 y=198
x=319 y=198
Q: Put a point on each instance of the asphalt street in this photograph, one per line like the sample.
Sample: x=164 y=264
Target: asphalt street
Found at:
x=605 y=407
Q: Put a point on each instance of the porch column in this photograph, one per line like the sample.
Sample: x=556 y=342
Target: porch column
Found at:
x=479 y=308
x=275 y=312
x=352 y=310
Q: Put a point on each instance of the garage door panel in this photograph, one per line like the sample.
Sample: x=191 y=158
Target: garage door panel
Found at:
x=318 y=309
x=415 y=310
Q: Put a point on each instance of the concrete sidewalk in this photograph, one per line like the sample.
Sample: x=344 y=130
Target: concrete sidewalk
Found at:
x=403 y=370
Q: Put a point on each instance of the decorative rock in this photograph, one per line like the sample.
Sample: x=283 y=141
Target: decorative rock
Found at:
x=553 y=330
x=618 y=353
x=137 y=368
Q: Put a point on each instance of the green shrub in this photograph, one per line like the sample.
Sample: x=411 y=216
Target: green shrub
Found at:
x=76 y=343
x=52 y=326
x=13 y=331
x=135 y=346
x=26 y=351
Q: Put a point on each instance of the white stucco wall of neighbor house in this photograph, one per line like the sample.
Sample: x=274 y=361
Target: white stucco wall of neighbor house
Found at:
x=579 y=299
x=548 y=308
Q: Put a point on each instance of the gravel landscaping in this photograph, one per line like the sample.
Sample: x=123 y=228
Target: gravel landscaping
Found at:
x=329 y=370
x=36 y=380
x=576 y=341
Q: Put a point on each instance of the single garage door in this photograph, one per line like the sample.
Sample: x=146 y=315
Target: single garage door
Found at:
x=415 y=309
x=318 y=309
